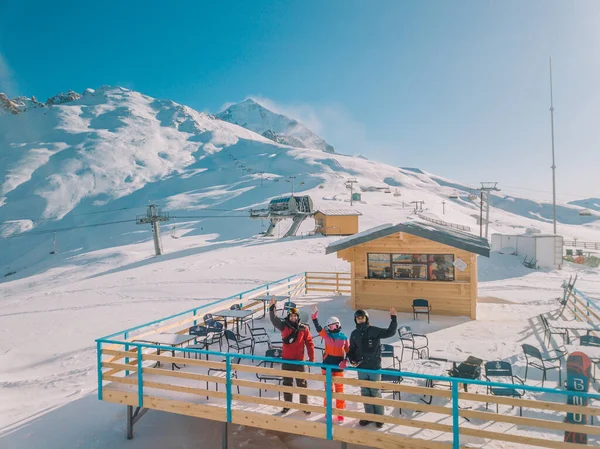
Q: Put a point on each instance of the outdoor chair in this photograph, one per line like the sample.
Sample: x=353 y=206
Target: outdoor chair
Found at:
x=393 y=379
x=274 y=354
x=533 y=358
x=569 y=252
x=204 y=340
x=388 y=351
x=421 y=307
x=237 y=343
x=210 y=320
x=469 y=369
x=501 y=372
x=223 y=371
x=418 y=343
x=549 y=331
x=259 y=335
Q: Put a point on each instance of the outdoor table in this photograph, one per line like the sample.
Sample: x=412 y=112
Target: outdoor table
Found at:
x=237 y=315
x=265 y=299
x=429 y=368
x=572 y=325
x=167 y=339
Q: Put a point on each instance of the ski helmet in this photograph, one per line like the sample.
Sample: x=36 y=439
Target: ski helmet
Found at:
x=293 y=311
x=361 y=312
x=334 y=320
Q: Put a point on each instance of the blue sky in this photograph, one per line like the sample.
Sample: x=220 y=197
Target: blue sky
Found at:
x=457 y=88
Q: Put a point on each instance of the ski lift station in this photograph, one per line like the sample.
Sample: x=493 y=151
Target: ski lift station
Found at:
x=336 y=221
x=394 y=264
x=296 y=208
x=545 y=249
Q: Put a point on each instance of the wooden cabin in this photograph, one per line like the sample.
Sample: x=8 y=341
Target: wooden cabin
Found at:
x=336 y=221
x=391 y=265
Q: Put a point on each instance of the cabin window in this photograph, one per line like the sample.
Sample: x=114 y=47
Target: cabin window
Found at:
x=432 y=267
x=379 y=266
x=440 y=267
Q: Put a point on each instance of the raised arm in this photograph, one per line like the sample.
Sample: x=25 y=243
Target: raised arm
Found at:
x=276 y=322
x=315 y=320
x=391 y=330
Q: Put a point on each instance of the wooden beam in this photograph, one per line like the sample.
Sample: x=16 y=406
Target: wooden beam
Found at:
x=381 y=440
x=531 y=422
x=396 y=387
x=520 y=439
x=530 y=403
x=281 y=388
x=398 y=421
x=288 y=424
x=278 y=372
x=278 y=403
x=185 y=375
x=186 y=408
x=418 y=406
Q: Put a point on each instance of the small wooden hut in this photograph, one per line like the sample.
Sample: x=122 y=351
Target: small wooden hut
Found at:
x=393 y=264
x=336 y=221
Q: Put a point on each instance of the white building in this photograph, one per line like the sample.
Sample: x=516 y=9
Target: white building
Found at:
x=545 y=249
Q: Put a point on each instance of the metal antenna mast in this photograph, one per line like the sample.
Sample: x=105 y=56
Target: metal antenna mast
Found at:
x=553 y=164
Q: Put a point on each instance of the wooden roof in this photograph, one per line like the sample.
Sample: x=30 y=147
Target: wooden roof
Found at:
x=430 y=231
x=338 y=212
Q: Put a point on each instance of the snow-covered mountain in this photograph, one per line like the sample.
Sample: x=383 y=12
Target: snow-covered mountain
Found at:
x=276 y=127
x=85 y=166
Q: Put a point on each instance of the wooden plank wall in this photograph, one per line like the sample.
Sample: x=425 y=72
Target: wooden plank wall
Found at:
x=446 y=298
x=338 y=224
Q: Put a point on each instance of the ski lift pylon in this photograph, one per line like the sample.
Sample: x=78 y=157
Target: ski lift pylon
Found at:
x=173 y=235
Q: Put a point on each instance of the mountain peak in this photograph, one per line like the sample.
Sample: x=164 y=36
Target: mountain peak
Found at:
x=274 y=126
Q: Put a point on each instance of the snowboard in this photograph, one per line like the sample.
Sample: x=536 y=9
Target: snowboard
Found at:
x=579 y=373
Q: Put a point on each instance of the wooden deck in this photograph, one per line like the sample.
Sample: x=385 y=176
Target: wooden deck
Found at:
x=418 y=425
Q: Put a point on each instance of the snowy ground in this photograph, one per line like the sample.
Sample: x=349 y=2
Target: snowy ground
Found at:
x=50 y=321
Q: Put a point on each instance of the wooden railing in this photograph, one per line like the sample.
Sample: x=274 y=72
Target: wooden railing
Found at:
x=579 y=244
x=583 y=308
x=328 y=281
x=209 y=389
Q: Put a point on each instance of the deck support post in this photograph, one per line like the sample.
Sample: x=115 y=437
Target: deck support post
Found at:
x=132 y=418
x=344 y=445
x=224 y=437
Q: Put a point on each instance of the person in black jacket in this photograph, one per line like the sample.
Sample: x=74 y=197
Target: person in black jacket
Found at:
x=365 y=353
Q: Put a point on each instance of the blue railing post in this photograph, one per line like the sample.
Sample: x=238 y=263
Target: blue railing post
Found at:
x=329 y=398
x=455 y=430
x=99 y=354
x=289 y=287
x=195 y=321
x=139 y=377
x=305 y=284
x=125 y=337
x=228 y=385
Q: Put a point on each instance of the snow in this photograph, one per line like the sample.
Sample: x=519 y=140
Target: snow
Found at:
x=101 y=158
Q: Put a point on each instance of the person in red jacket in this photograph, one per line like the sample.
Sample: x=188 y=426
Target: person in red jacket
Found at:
x=295 y=337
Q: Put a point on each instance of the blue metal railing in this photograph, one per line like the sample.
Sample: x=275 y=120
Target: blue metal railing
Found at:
x=328 y=381
x=589 y=301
